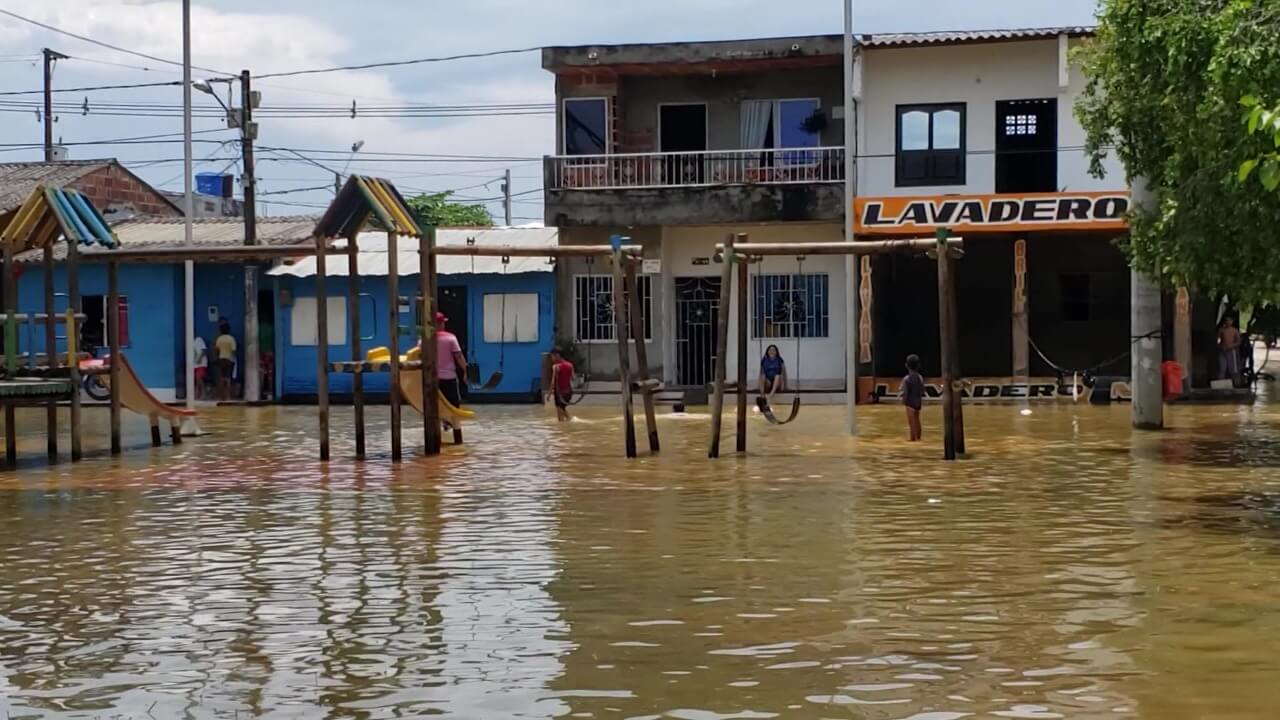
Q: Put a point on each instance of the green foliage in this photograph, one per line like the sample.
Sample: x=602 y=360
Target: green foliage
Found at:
x=1264 y=121
x=436 y=210
x=1164 y=82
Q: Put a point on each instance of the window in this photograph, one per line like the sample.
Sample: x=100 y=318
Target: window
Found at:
x=303 y=328
x=593 y=306
x=511 y=318
x=586 y=126
x=1019 y=124
x=1075 y=293
x=788 y=306
x=766 y=124
x=930 y=145
x=93 y=332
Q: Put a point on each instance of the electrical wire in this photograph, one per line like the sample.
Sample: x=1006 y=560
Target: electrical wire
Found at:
x=399 y=63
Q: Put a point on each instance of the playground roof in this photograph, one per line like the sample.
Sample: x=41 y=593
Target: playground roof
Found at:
x=372 y=259
x=363 y=201
x=50 y=212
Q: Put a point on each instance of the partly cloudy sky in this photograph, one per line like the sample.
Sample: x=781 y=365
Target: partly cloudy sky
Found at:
x=267 y=36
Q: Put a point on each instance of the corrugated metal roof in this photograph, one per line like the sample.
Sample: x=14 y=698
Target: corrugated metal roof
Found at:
x=18 y=179
x=372 y=260
x=168 y=233
x=957 y=37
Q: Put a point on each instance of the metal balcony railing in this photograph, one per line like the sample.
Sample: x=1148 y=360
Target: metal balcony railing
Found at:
x=704 y=168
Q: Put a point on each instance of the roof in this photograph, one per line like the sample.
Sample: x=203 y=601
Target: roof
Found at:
x=372 y=259
x=960 y=37
x=364 y=199
x=18 y=179
x=169 y=233
x=53 y=212
x=747 y=54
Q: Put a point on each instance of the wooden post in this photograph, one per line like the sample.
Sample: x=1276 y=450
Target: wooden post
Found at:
x=73 y=342
x=1182 y=334
x=636 y=314
x=430 y=349
x=322 y=347
x=393 y=344
x=743 y=271
x=945 y=341
x=353 y=311
x=175 y=432
x=953 y=317
x=620 y=333
x=1021 y=327
x=155 y=431
x=50 y=350
x=722 y=346
x=113 y=345
x=10 y=354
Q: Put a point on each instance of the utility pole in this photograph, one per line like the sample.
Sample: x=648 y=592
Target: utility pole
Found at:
x=506 y=197
x=249 y=133
x=337 y=184
x=50 y=57
x=852 y=265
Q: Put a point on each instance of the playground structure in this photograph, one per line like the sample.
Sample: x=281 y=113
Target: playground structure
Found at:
x=737 y=253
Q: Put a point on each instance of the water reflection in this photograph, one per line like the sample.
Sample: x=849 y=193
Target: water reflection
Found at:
x=1068 y=569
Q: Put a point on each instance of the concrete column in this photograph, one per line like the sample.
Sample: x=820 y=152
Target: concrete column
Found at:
x=1021 y=327
x=667 y=293
x=1182 y=334
x=1147 y=343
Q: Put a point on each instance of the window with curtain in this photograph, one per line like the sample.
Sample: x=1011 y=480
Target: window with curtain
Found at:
x=303 y=325
x=788 y=306
x=586 y=126
x=511 y=317
x=930 y=145
x=780 y=124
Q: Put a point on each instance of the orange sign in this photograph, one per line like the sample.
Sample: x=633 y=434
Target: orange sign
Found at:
x=969 y=214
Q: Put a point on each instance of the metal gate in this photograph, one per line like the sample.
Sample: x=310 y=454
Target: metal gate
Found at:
x=697 y=308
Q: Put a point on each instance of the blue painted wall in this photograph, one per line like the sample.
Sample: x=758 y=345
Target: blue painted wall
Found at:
x=221 y=286
x=522 y=369
x=154 y=319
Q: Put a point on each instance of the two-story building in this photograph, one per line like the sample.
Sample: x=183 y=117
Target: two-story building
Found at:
x=680 y=145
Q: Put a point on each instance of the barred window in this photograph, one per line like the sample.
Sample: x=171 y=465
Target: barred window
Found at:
x=788 y=306
x=593 y=306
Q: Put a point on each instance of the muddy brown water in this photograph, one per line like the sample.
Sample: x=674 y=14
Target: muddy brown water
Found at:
x=1069 y=568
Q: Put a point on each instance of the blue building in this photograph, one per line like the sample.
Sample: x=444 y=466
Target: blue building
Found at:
x=502 y=312
x=151 y=295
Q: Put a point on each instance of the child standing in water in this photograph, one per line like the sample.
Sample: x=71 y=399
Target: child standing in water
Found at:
x=561 y=383
x=912 y=392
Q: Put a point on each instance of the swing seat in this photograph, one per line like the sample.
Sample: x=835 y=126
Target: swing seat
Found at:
x=763 y=403
x=494 y=380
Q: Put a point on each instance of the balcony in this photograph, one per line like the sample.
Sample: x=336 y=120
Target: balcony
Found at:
x=710 y=186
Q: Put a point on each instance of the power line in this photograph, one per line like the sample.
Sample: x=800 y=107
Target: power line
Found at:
x=399 y=63
x=95 y=88
x=139 y=140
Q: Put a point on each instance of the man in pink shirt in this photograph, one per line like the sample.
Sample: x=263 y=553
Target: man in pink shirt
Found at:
x=451 y=364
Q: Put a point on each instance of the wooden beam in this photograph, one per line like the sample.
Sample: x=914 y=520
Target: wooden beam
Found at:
x=945 y=340
x=50 y=350
x=393 y=342
x=236 y=254
x=430 y=348
x=861 y=247
x=353 y=311
x=646 y=385
x=624 y=364
x=558 y=251
x=322 y=348
x=722 y=347
x=743 y=270
x=113 y=345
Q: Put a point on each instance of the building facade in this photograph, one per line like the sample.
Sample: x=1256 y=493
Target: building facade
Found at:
x=680 y=145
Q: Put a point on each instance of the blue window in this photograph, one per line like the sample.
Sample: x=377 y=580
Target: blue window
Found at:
x=788 y=306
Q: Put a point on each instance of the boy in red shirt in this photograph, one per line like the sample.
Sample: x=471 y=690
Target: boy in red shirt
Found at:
x=561 y=384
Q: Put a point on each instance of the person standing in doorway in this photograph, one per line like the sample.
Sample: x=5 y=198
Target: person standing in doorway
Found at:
x=226 y=347
x=200 y=362
x=912 y=392
x=1228 y=349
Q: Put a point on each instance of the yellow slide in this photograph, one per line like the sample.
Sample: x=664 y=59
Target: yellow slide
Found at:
x=411 y=387
x=134 y=395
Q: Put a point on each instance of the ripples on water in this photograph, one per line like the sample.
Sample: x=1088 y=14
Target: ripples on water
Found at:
x=1067 y=569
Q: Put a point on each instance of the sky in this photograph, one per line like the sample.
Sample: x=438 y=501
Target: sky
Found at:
x=269 y=36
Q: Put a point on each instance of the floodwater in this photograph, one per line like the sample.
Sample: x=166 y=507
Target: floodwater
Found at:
x=1068 y=568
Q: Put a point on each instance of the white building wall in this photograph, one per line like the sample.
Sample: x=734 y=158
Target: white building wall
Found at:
x=820 y=364
x=979 y=76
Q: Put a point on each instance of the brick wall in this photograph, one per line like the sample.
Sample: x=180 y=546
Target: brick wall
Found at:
x=113 y=190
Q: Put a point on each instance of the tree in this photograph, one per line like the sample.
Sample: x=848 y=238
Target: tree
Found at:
x=1264 y=121
x=1165 y=80
x=435 y=210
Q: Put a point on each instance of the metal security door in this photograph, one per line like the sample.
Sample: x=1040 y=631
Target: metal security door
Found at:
x=697 y=308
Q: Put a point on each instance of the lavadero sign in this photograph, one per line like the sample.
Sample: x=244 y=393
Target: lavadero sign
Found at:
x=996 y=389
x=969 y=214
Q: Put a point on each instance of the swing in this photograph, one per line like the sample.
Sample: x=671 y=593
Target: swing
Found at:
x=581 y=392
x=496 y=378
x=763 y=400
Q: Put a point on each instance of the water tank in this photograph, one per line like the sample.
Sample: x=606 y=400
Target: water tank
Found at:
x=215 y=184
